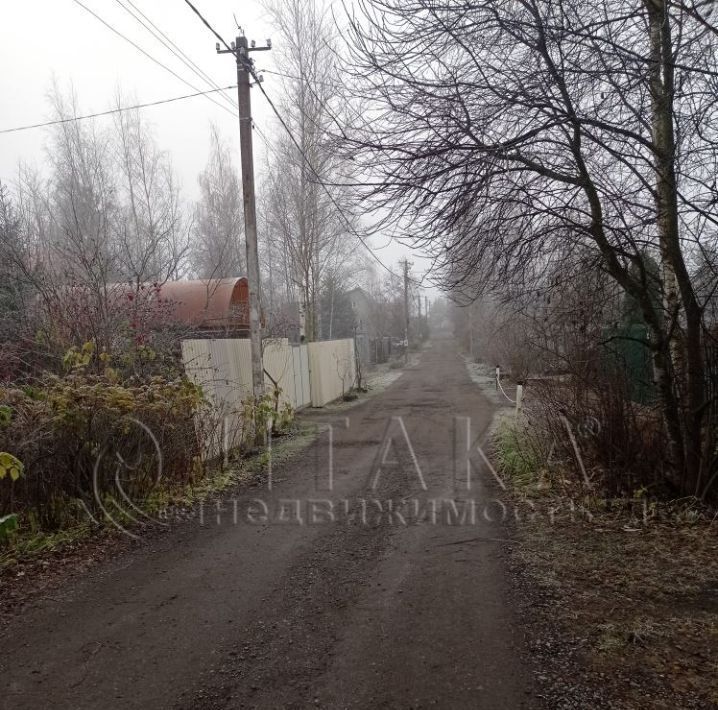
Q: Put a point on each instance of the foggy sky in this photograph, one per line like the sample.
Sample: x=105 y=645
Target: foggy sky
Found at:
x=42 y=41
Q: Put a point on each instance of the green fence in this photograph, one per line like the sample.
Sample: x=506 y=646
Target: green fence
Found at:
x=626 y=352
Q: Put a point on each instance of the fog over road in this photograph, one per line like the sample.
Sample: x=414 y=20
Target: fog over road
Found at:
x=348 y=609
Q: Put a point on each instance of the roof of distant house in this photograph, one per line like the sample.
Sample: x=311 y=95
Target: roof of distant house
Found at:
x=359 y=291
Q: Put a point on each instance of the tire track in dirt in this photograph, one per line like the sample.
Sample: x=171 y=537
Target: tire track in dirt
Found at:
x=334 y=614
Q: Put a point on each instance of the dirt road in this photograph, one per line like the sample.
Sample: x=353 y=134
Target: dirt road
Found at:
x=362 y=589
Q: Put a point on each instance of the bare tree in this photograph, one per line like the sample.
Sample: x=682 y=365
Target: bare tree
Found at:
x=83 y=200
x=106 y=214
x=150 y=233
x=512 y=135
x=218 y=229
x=306 y=230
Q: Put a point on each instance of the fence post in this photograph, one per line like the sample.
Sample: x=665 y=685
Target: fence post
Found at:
x=498 y=378
x=519 y=398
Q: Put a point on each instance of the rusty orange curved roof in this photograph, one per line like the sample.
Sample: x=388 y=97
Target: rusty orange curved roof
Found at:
x=207 y=303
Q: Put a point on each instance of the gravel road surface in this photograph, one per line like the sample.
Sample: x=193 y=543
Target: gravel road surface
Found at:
x=353 y=582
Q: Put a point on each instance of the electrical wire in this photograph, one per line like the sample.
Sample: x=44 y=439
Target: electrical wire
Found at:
x=339 y=209
x=162 y=37
x=294 y=77
x=115 y=110
x=209 y=27
x=288 y=130
x=147 y=54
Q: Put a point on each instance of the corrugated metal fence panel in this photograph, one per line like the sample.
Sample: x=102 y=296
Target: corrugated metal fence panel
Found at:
x=223 y=368
x=331 y=370
x=211 y=364
x=302 y=389
x=239 y=364
x=279 y=363
x=196 y=363
x=307 y=374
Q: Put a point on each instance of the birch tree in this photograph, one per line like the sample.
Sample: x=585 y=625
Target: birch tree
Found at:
x=83 y=200
x=509 y=136
x=303 y=217
x=150 y=233
x=218 y=234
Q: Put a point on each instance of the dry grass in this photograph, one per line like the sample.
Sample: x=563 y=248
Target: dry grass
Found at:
x=638 y=600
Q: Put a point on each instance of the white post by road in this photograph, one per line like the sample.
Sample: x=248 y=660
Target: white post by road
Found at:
x=519 y=398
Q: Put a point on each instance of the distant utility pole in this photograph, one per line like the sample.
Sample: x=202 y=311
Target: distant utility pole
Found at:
x=406 y=266
x=471 y=334
x=241 y=49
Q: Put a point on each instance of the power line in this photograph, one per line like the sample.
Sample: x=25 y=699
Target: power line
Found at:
x=115 y=110
x=294 y=77
x=208 y=26
x=179 y=49
x=162 y=37
x=339 y=209
x=147 y=54
x=322 y=184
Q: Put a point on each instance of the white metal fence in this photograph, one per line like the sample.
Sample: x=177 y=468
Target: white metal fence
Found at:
x=306 y=374
x=223 y=368
x=287 y=366
x=332 y=369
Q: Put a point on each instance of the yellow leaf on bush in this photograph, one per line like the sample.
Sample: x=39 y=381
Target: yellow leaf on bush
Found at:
x=9 y=464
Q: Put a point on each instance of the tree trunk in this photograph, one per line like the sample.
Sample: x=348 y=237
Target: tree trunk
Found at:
x=682 y=311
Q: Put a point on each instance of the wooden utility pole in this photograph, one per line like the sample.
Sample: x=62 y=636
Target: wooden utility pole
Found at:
x=471 y=333
x=241 y=50
x=406 y=265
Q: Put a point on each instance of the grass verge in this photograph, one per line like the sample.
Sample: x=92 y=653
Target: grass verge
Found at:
x=620 y=596
x=167 y=504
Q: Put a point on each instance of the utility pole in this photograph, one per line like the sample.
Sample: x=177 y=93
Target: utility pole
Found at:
x=420 y=327
x=406 y=265
x=471 y=333
x=241 y=49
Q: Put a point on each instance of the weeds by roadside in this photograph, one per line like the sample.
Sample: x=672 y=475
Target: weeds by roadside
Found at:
x=624 y=589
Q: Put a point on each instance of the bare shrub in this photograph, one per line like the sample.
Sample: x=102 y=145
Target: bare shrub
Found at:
x=75 y=434
x=599 y=433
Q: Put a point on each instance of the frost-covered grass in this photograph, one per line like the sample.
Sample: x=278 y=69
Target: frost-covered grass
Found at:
x=484 y=376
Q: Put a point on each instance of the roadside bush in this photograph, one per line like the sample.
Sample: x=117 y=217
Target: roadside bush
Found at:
x=83 y=438
x=619 y=443
x=12 y=469
x=260 y=416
